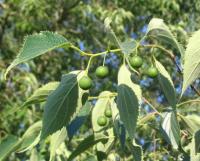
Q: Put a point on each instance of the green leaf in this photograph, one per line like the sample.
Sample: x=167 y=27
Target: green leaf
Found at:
x=105 y=147
x=34 y=155
x=8 y=145
x=118 y=125
x=55 y=141
x=110 y=33
x=38 y=44
x=30 y=137
x=197 y=141
x=191 y=123
x=158 y=29
x=128 y=46
x=171 y=127
x=86 y=144
x=124 y=77
x=129 y=96
x=128 y=106
x=41 y=93
x=195 y=147
x=120 y=132
x=98 y=110
x=79 y=120
x=166 y=84
x=90 y=158
x=137 y=152
x=60 y=106
x=191 y=67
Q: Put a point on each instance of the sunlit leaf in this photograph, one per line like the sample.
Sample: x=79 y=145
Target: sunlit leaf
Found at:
x=30 y=137
x=102 y=103
x=34 y=155
x=128 y=99
x=56 y=140
x=171 y=127
x=158 y=29
x=38 y=44
x=191 y=122
x=191 y=66
x=166 y=84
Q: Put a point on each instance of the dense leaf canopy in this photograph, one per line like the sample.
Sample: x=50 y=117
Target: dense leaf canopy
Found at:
x=164 y=121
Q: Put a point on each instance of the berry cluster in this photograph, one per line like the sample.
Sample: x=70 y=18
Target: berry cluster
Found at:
x=136 y=62
x=85 y=82
x=102 y=120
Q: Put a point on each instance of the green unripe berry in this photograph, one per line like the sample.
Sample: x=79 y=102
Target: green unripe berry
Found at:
x=102 y=121
x=108 y=112
x=152 y=72
x=136 y=61
x=102 y=71
x=85 y=83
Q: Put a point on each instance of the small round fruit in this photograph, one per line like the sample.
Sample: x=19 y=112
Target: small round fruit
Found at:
x=136 y=61
x=102 y=71
x=102 y=121
x=85 y=83
x=152 y=72
x=108 y=112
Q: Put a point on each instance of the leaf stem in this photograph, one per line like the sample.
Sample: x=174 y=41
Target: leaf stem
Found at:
x=97 y=97
x=93 y=55
x=88 y=66
x=132 y=67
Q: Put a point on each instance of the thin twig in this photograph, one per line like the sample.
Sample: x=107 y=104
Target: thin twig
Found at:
x=147 y=102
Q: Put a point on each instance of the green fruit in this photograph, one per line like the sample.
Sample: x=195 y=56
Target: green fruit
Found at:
x=102 y=121
x=108 y=112
x=102 y=71
x=152 y=72
x=136 y=61
x=85 y=83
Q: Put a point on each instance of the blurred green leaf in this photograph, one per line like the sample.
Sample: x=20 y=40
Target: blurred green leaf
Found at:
x=195 y=147
x=56 y=140
x=34 y=155
x=85 y=144
x=30 y=137
x=41 y=93
x=8 y=145
x=137 y=152
x=191 y=66
x=128 y=46
x=191 y=122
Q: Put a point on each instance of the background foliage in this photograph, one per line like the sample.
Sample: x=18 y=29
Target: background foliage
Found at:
x=81 y=22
